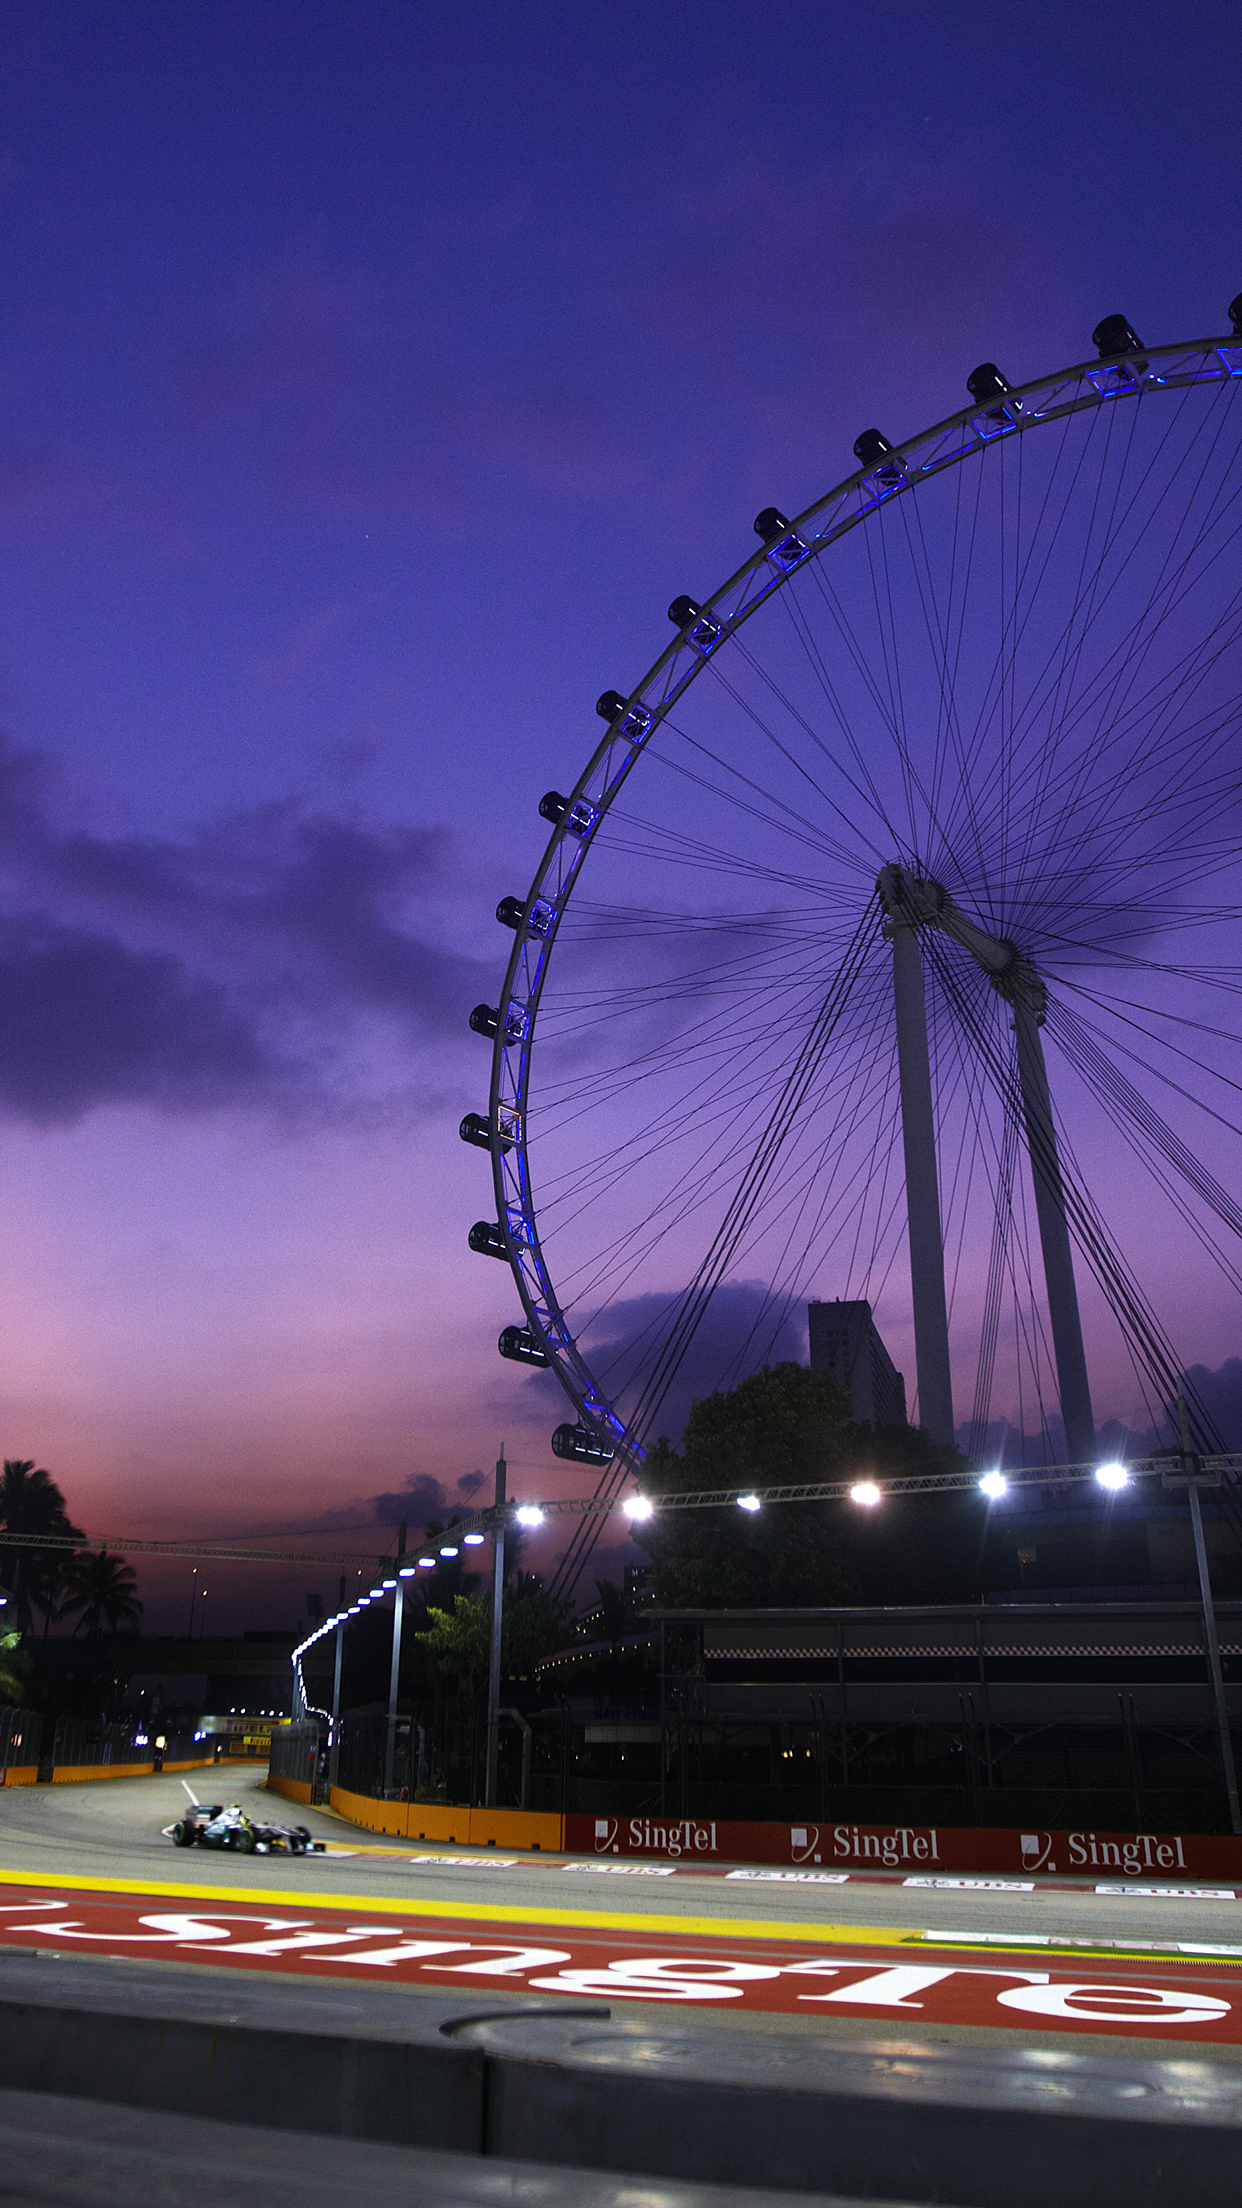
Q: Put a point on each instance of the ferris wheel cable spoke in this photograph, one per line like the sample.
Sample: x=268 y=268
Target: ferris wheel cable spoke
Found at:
x=1130 y=1306
x=1121 y=659
x=1124 y=661
x=803 y=830
x=1201 y=1066
x=969 y=758
x=1092 y=567
x=712 y=1266
x=703 y=1191
x=716 y=670
x=1078 y=1043
x=859 y=786
x=802 y=630
x=730 y=1117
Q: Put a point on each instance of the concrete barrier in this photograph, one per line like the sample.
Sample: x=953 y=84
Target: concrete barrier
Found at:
x=93 y=2156
x=533 y=2082
x=999 y=2128
x=358 y=2063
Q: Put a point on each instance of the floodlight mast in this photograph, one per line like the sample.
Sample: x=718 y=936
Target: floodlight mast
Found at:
x=909 y=904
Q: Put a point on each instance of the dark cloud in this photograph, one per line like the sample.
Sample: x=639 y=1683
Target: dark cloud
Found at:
x=422 y=1499
x=267 y=960
x=741 y=1332
x=1220 y=1393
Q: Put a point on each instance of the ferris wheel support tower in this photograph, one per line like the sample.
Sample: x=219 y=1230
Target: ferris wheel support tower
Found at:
x=911 y=903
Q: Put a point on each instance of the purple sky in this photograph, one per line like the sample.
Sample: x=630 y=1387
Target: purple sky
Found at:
x=372 y=377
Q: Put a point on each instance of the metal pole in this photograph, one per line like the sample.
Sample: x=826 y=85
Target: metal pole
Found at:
x=1190 y=1470
x=663 y=1726
x=390 y=1745
x=1041 y=1142
x=334 y=1752
x=918 y=1129
x=498 y=1603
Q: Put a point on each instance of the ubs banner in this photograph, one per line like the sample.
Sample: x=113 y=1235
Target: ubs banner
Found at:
x=913 y=1849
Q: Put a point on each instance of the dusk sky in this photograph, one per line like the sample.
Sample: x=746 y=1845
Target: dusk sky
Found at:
x=373 y=376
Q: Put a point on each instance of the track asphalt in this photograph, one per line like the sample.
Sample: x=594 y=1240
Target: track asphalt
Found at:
x=85 y=1870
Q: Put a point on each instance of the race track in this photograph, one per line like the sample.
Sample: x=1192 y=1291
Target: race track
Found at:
x=85 y=1869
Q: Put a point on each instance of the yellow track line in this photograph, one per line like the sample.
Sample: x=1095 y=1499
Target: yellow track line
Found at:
x=606 y=1920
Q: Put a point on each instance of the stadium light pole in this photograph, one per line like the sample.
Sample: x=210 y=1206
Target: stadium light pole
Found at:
x=334 y=1749
x=498 y=1598
x=398 y=1606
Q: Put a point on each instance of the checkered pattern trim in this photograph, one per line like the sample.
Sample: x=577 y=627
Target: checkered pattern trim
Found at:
x=1031 y=1648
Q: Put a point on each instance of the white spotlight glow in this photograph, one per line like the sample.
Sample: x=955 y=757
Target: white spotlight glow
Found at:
x=1113 y=1475
x=867 y=1493
x=390 y=1583
x=530 y=1515
x=748 y=1502
x=406 y=1572
x=637 y=1507
x=473 y=1540
x=426 y=1563
x=448 y=1549
x=993 y=1485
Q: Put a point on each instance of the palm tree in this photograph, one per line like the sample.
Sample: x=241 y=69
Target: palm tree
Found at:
x=102 y=1589
x=32 y=1504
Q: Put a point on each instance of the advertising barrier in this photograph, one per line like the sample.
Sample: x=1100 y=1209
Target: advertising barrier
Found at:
x=913 y=1849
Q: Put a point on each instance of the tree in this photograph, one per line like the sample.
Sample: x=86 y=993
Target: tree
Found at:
x=788 y=1426
x=458 y=1642
x=533 y=1625
x=14 y=1669
x=103 y=1590
x=32 y=1504
x=784 y=1426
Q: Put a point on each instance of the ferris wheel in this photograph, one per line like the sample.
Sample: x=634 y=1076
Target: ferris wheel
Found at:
x=890 y=941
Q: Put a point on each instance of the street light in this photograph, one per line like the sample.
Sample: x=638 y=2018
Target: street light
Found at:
x=993 y=1485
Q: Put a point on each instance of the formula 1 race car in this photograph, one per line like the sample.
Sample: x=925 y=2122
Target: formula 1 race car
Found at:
x=213 y=1825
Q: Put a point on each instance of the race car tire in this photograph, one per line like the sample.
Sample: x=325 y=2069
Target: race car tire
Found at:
x=183 y=1834
x=243 y=1842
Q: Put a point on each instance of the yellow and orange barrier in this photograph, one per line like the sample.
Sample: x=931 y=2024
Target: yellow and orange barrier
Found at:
x=436 y=1821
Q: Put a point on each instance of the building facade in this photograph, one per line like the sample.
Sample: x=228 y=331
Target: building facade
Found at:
x=845 y=1343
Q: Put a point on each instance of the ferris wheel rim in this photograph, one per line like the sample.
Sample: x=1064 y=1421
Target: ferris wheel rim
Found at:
x=1088 y=385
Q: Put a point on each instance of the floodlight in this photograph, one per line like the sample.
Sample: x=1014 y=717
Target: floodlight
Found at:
x=390 y=1583
x=1113 y=1476
x=748 y=1502
x=638 y=1507
x=426 y=1563
x=530 y=1515
x=406 y=1572
x=473 y=1540
x=866 y=1493
x=993 y=1485
x=448 y=1549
